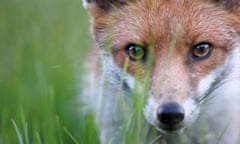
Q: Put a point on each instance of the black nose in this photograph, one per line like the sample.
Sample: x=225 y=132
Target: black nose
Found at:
x=170 y=115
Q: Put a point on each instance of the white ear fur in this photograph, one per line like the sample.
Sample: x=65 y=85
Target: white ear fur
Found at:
x=103 y=4
x=85 y=3
x=88 y=3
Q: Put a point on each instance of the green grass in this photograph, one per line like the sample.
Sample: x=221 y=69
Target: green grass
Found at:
x=42 y=47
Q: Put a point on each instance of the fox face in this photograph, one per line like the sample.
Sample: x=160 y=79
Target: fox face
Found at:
x=187 y=48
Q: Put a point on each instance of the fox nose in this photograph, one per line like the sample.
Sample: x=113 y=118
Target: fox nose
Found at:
x=170 y=115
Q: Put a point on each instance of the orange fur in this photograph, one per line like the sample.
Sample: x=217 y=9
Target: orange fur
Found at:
x=169 y=30
x=140 y=22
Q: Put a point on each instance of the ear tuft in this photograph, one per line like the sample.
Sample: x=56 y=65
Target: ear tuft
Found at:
x=232 y=3
x=229 y=4
x=85 y=4
x=103 y=4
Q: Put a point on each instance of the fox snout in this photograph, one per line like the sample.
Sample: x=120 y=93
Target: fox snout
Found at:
x=170 y=116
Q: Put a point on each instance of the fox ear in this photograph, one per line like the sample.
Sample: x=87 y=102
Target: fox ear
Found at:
x=229 y=4
x=105 y=5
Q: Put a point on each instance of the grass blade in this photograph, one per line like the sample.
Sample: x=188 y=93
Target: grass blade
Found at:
x=20 y=138
x=156 y=139
x=25 y=127
x=224 y=130
x=71 y=136
x=38 y=138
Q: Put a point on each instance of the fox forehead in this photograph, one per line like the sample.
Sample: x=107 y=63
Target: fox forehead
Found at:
x=160 y=20
x=156 y=23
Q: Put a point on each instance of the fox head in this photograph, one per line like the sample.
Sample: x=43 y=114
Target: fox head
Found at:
x=192 y=46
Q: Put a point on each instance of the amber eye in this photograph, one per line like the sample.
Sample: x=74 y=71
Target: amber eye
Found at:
x=202 y=51
x=135 y=52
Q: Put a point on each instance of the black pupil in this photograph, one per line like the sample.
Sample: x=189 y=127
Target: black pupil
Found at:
x=202 y=50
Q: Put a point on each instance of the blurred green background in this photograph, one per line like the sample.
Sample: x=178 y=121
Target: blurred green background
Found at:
x=43 y=45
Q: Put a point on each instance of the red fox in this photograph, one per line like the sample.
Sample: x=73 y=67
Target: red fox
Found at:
x=188 y=53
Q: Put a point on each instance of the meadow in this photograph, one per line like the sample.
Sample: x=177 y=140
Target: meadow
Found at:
x=42 y=48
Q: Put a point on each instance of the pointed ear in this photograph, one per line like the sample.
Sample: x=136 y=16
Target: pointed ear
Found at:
x=105 y=5
x=229 y=4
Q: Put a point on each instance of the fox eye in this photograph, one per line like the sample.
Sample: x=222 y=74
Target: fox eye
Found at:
x=135 y=52
x=202 y=51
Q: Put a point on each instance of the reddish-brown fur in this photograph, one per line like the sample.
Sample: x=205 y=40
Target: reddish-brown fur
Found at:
x=169 y=30
x=145 y=22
